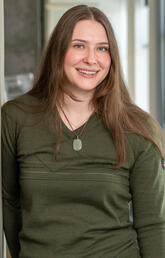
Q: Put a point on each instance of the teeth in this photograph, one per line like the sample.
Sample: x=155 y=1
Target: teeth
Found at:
x=87 y=72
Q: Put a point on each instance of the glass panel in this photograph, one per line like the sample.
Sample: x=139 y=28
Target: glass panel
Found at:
x=142 y=55
x=18 y=84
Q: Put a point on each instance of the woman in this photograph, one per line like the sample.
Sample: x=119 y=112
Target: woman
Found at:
x=77 y=152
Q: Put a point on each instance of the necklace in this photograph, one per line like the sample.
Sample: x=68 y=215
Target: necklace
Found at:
x=77 y=142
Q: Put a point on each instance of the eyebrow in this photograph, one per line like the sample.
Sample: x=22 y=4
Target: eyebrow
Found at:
x=82 y=40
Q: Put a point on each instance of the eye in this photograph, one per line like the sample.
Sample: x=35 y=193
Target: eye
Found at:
x=79 y=46
x=104 y=49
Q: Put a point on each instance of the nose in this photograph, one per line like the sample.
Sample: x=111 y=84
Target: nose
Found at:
x=90 y=56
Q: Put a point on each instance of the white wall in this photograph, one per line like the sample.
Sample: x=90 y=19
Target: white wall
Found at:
x=142 y=89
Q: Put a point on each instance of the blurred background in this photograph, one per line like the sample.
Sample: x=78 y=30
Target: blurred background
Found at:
x=139 y=26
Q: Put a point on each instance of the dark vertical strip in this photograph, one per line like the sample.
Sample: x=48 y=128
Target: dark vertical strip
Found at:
x=158 y=64
x=39 y=29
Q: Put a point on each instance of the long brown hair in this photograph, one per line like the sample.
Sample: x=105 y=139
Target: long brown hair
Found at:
x=111 y=98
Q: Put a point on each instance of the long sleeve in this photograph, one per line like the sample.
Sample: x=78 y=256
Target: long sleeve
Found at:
x=10 y=185
x=148 y=190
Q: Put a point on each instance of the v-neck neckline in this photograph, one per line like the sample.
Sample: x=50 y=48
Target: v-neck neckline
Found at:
x=72 y=134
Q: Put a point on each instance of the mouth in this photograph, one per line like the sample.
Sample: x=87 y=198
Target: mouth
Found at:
x=87 y=72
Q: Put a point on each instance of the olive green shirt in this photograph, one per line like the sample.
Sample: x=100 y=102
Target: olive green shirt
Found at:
x=77 y=204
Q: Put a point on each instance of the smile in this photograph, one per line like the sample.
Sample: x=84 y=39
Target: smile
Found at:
x=87 y=72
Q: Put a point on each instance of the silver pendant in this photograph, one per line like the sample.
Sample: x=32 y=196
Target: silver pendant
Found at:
x=77 y=144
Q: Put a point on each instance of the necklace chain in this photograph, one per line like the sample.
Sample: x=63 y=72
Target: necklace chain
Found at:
x=77 y=143
x=82 y=130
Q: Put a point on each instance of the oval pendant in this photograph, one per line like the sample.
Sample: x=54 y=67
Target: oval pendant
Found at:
x=77 y=144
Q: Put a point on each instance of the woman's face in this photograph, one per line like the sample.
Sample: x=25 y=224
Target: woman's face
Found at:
x=87 y=60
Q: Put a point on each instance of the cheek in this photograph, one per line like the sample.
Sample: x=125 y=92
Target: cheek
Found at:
x=105 y=62
x=71 y=58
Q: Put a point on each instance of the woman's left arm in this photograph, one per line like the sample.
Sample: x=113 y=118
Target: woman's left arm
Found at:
x=147 y=183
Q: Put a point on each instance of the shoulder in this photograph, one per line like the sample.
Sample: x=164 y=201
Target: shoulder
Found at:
x=19 y=102
x=140 y=148
x=20 y=108
x=137 y=142
x=150 y=136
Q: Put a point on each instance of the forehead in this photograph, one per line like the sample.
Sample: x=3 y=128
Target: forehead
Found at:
x=89 y=30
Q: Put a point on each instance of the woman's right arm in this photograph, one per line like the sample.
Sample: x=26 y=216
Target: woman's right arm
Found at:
x=10 y=184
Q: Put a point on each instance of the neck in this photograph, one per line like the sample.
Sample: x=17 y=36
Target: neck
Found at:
x=77 y=112
x=74 y=106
